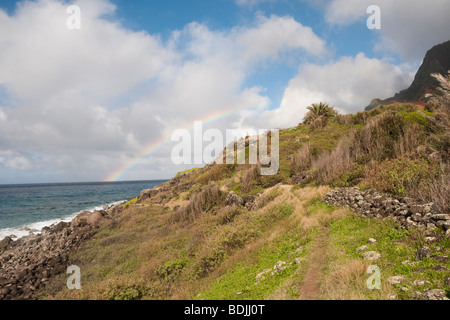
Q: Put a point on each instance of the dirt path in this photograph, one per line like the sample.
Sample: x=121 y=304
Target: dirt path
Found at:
x=309 y=289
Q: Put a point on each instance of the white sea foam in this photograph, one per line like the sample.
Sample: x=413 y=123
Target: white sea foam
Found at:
x=36 y=227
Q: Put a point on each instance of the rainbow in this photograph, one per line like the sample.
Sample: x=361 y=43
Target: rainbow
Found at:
x=154 y=146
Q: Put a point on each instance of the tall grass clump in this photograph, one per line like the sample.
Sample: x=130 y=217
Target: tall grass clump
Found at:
x=385 y=136
x=303 y=158
x=203 y=201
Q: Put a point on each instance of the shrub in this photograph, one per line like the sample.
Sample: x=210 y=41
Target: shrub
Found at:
x=349 y=178
x=202 y=201
x=217 y=172
x=227 y=214
x=437 y=189
x=381 y=135
x=250 y=178
x=302 y=159
x=208 y=263
x=124 y=292
x=331 y=165
x=170 y=270
x=399 y=176
x=345 y=120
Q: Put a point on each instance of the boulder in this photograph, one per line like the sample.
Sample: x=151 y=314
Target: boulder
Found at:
x=279 y=265
x=5 y=244
x=421 y=283
x=446 y=225
x=396 y=280
x=59 y=227
x=233 y=199
x=423 y=252
x=362 y=248
x=441 y=259
x=116 y=208
x=371 y=255
x=416 y=209
x=90 y=218
x=435 y=294
x=260 y=275
x=147 y=194
x=447 y=281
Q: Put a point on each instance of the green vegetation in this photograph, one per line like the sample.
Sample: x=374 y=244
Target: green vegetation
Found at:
x=318 y=114
x=398 y=249
x=186 y=171
x=241 y=282
x=133 y=200
x=185 y=242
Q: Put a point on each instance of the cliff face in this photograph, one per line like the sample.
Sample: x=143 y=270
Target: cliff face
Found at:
x=437 y=60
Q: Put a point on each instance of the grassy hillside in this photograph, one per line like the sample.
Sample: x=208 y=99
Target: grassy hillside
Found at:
x=282 y=242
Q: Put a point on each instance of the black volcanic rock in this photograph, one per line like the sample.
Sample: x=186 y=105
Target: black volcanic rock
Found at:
x=437 y=60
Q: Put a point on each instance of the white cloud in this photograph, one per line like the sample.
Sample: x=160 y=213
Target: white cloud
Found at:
x=91 y=100
x=251 y=3
x=408 y=27
x=348 y=84
x=275 y=34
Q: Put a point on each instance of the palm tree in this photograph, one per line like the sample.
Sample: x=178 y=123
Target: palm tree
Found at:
x=319 y=112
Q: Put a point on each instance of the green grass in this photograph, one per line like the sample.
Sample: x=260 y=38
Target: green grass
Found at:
x=186 y=171
x=414 y=117
x=395 y=246
x=133 y=200
x=241 y=278
x=315 y=205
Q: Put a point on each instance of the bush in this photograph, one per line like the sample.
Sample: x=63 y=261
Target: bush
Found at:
x=303 y=159
x=250 y=178
x=170 y=270
x=227 y=214
x=203 y=201
x=349 y=178
x=399 y=176
x=217 y=172
x=381 y=134
x=124 y=292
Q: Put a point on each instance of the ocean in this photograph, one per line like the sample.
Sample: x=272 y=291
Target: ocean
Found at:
x=25 y=207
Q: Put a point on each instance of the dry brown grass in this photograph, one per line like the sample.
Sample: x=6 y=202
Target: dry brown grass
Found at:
x=437 y=190
x=303 y=159
x=348 y=281
x=200 y=202
x=345 y=282
x=250 y=178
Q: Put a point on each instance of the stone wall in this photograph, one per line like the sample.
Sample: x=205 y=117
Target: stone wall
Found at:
x=407 y=211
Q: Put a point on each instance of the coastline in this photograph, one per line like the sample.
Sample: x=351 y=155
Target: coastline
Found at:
x=28 y=263
x=35 y=228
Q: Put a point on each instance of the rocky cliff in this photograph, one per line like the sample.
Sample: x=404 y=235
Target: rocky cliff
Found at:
x=437 y=60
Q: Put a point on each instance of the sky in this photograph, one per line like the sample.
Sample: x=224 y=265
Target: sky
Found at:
x=100 y=102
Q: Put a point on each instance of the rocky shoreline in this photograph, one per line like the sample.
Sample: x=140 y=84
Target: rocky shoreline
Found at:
x=28 y=263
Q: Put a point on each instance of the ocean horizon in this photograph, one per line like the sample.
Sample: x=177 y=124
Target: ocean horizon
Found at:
x=28 y=207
